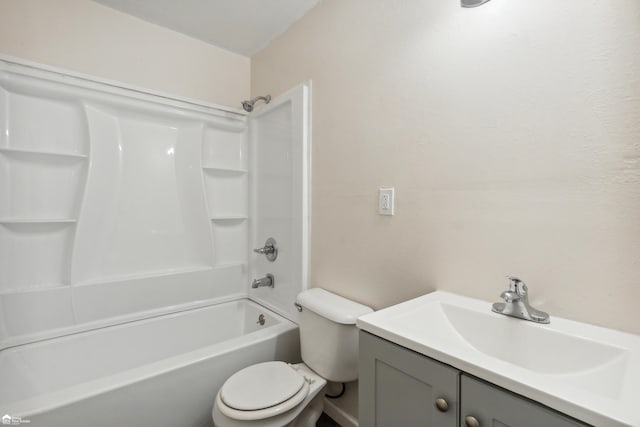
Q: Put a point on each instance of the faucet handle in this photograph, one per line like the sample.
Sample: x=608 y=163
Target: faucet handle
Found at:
x=270 y=249
x=513 y=281
x=516 y=285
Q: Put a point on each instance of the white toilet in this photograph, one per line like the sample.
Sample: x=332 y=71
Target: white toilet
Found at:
x=276 y=394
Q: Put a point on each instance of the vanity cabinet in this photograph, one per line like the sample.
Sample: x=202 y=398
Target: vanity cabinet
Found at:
x=399 y=387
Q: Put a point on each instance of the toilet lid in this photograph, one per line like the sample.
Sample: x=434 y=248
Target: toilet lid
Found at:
x=261 y=386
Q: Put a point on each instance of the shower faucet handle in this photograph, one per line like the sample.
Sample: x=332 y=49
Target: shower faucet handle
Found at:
x=265 y=250
x=270 y=249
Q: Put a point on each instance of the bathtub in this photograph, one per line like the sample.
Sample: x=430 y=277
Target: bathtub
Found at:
x=163 y=371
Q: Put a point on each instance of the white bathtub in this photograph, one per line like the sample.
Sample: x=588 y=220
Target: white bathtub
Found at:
x=163 y=371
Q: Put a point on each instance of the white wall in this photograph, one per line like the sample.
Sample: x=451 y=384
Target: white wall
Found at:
x=87 y=37
x=510 y=131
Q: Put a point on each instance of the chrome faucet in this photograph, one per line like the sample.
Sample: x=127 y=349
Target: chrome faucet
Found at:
x=517 y=303
x=266 y=281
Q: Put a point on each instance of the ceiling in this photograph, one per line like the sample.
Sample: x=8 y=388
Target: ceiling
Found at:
x=241 y=26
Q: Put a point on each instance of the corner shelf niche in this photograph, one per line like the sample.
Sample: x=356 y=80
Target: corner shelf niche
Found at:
x=35 y=254
x=225 y=175
x=224 y=150
x=231 y=238
x=43 y=170
x=40 y=185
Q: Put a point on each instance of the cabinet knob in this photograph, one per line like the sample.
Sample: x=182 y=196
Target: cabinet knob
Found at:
x=471 y=421
x=442 y=404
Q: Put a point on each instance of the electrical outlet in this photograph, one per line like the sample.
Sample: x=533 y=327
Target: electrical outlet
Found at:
x=386 y=201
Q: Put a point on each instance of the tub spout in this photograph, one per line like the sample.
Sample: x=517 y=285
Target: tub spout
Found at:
x=267 y=281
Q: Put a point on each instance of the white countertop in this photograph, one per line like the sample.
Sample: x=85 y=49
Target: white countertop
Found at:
x=587 y=372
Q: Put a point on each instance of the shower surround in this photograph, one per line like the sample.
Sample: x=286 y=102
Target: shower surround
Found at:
x=118 y=204
x=113 y=204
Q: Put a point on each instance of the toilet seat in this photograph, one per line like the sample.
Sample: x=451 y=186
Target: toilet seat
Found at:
x=262 y=391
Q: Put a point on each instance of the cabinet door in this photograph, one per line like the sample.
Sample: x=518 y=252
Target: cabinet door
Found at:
x=399 y=388
x=495 y=407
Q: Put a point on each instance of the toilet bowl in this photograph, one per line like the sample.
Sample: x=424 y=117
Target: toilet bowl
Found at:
x=270 y=394
x=276 y=394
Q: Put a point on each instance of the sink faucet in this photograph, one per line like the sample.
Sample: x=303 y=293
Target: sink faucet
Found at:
x=517 y=303
x=267 y=281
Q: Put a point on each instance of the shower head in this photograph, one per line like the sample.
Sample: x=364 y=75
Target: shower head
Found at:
x=248 y=105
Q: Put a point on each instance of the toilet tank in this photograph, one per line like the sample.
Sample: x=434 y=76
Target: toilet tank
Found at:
x=328 y=334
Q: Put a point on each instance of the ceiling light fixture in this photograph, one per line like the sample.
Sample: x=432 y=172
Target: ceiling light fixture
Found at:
x=472 y=3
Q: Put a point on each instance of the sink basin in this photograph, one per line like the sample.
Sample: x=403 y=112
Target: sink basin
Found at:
x=588 y=372
x=529 y=345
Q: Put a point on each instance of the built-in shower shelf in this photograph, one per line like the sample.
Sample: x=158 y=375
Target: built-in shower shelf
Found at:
x=216 y=169
x=37 y=221
x=10 y=151
x=242 y=265
x=147 y=275
x=229 y=218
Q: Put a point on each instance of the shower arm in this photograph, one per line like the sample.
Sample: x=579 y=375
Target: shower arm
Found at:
x=266 y=99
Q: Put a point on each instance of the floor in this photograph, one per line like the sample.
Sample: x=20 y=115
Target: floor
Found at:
x=326 y=421
x=343 y=410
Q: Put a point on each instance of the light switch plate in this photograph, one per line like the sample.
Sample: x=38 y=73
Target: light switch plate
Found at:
x=386 y=201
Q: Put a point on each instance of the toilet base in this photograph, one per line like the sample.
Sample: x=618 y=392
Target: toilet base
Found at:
x=309 y=416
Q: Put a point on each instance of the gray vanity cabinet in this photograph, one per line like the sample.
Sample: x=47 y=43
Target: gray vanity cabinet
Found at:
x=401 y=388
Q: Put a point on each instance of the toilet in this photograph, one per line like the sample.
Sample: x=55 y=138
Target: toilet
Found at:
x=276 y=394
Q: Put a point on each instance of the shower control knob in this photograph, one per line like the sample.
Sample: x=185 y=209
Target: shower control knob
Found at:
x=270 y=249
x=471 y=421
x=442 y=405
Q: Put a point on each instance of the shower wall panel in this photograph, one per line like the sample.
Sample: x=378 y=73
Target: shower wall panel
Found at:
x=115 y=204
x=280 y=178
